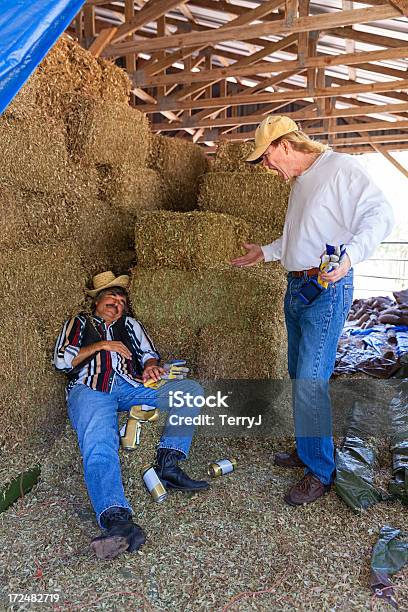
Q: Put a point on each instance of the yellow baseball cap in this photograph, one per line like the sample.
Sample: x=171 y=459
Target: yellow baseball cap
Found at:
x=271 y=128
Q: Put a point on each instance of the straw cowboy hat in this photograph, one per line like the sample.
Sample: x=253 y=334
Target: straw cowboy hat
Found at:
x=104 y=280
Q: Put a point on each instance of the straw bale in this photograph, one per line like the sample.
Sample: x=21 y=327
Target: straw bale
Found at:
x=69 y=69
x=102 y=230
x=44 y=283
x=33 y=217
x=248 y=297
x=32 y=400
x=24 y=103
x=130 y=191
x=260 y=199
x=33 y=153
x=188 y=241
x=101 y=132
x=231 y=156
x=232 y=352
x=179 y=342
x=120 y=262
x=181 y=165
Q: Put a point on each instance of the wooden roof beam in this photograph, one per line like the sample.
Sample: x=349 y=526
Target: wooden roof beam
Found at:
x=340 y=129
x=300 y=115
x=171 y=103
x=241 y=68
x=150 y=11
x=380 y=149
x=365 y=37
x=358 y=149
x=401 y=5
x=244 y=32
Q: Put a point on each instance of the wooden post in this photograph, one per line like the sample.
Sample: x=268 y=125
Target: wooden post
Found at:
x=89 y=25
x=130 y=58
x=311 y=52
x=79 y=31
x=303 y=37
x=161 y=31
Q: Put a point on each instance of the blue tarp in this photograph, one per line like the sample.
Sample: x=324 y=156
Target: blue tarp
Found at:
x=28 y=30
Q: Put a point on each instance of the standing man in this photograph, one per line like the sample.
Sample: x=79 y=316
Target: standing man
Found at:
x=333 y=200
x=107 y=357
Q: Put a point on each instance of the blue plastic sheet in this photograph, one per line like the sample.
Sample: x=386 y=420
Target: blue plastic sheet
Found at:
x=28 y=30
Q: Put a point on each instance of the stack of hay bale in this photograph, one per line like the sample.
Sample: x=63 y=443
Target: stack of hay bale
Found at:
x=227 y=322
x=181 y=165
x=249 y=192
x=73 y=176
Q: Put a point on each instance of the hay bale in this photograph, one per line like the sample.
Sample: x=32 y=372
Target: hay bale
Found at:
x=187 y=241
x=24 y=103
x=181 y=164
x=32 y=217
x=42 y=283
x=101 y=132
x=69 y=70
x=260 y=199
x=247 y=297
x=174 y=343
x=231 y=156
x=120 y=262
x=233 y=352
x=33 y=155
x=32 y=399
x=128 y=190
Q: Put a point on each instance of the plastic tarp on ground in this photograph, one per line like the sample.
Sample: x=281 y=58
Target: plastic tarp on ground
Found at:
x=28 y=30
x=379 y=351
x=399 y=443
x=389 y=555
x=356 y=460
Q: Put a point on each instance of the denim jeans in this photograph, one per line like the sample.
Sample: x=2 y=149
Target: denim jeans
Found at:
x=94 y=416
x=313 y=334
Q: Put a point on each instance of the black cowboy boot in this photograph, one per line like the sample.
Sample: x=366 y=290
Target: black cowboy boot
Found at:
x=171 y=475
x=122 y=534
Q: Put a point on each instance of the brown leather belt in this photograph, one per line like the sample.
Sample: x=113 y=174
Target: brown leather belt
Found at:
x=311 y=272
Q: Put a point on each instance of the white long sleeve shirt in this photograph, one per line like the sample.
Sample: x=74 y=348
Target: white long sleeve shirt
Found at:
x=335 y=202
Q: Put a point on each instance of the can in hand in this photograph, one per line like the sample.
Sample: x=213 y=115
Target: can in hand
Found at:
x=222 y=467
x=153 y=484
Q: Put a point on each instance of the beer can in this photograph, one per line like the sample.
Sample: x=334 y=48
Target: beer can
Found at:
x=222 y=467
x=129 y=434
x=153 y=484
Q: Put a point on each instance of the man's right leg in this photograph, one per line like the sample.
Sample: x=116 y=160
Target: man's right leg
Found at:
x=93 y=415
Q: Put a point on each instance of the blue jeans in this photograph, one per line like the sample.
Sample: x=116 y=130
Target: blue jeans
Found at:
x=313 y=334
x=94 y=416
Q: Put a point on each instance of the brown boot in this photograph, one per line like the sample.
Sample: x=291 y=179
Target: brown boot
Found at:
x=288 y=460
x=306 y=491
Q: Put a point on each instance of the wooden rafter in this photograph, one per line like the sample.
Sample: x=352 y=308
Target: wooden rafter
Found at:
x=401 y=5
x=340 y=129
x=242 y=69
x=316 y=22
x=243 y=99
x=299 y=115
x=246 y=55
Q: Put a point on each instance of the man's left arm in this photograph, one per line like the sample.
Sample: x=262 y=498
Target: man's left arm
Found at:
x=145 y=348
x=367 y=215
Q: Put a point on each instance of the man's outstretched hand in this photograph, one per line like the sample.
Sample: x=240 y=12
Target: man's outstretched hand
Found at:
x=253 y=256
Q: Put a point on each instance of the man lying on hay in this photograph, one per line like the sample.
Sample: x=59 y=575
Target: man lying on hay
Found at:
x=107 y=357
